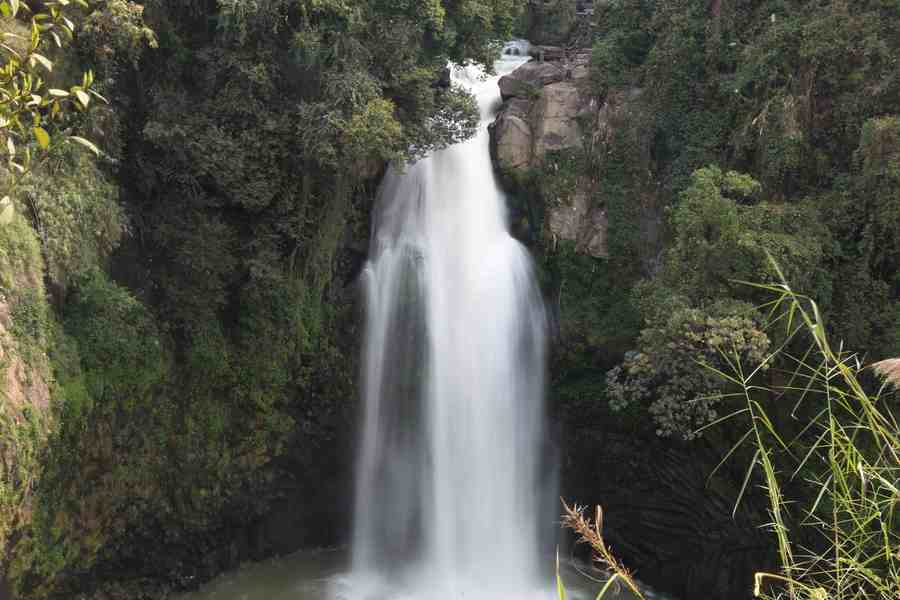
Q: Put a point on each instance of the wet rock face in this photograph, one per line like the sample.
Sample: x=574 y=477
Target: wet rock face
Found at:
x=664 y=515
x=545 y=103
x=548 y=107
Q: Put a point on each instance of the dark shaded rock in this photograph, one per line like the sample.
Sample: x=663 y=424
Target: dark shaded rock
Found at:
x=445 y=79
x=548 y=53
x=550 y=21
x=664 y=515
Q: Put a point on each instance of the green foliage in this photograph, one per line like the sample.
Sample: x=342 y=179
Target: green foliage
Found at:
x=846 y=455
x=22 y=291
x=673 y=374
x=623 y=42
x=77 y=217
x=123 y=358
x=719 y=239
x=30 y=323
x=23 y=434
x=244 y=150
x=31 y=102
x=21 y=263
x=598 y=323
x=549 y=21
x=114 y=32
x=697 y=311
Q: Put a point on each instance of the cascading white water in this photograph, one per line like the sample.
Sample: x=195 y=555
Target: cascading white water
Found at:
x=448 y=483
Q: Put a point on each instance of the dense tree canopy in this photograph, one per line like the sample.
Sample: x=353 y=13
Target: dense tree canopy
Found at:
x=210 y=248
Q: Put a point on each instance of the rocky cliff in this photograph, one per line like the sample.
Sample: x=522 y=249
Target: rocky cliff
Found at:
x=555 y=141
x=549 y=109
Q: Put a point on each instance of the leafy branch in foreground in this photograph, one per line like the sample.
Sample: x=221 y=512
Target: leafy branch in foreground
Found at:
x=844 y=463
x=28 y=103
x=591 y=533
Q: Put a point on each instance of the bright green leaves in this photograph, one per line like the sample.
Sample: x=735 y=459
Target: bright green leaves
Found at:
x=9 y=8
x=373 y=131
x=28 y=106
x=42 y=137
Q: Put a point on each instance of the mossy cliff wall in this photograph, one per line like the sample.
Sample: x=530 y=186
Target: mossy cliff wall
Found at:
x=180 y=314
x=650 y=179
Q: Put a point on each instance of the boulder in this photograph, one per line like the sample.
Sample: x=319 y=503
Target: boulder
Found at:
x=527 y=80
x=580 y=66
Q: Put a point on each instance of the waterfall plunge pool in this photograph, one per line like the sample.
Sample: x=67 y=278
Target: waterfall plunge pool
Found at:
x=325 y=575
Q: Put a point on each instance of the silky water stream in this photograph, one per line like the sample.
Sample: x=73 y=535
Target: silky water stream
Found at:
x=454 y=486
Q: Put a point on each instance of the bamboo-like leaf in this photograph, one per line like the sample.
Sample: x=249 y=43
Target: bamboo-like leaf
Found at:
x=607 y=586
x=83 y=98
x=747 y=477
x=560 y=588
x=734 y=449
x=98 y=96
x=14 y=5
x=11 y=51
x=86 y=144
x=45 y=62
x=43 y=138
x=10 y=147
x=58 y=93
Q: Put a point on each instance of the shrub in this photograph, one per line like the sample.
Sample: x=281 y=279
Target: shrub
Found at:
x=666 y=376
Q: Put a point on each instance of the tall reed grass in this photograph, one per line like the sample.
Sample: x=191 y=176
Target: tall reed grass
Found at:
x=823 y=441
x=834 y=485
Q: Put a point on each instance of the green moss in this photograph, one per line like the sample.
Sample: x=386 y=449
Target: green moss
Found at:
x=121 y=351
x=31 y=322
x=77 y=214
x=20 y=256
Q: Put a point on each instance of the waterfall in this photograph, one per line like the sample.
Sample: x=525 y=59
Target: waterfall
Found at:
x=449 y=472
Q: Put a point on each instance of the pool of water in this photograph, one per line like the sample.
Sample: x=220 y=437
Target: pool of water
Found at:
x=324 y=575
